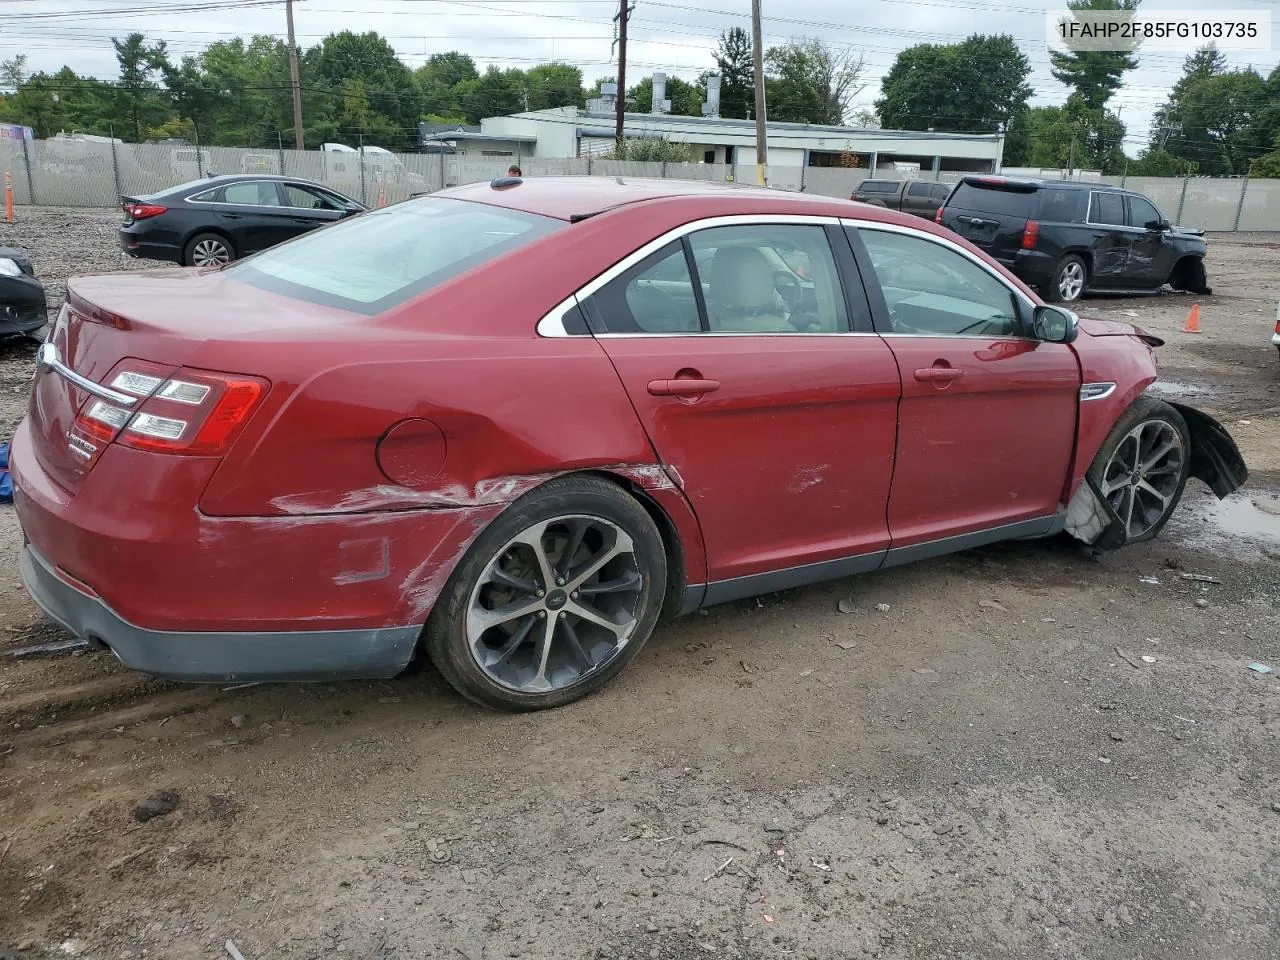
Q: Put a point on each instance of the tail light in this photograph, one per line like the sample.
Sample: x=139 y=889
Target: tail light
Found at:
x=1031 y=235
x=937 y=217
x=195 y=412
x=143 y=211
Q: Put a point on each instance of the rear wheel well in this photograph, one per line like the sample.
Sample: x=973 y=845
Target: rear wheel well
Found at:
x=676 y=570
x=1085 y=254
x=216 y=231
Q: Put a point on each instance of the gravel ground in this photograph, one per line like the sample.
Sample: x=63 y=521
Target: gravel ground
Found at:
x=980 y=773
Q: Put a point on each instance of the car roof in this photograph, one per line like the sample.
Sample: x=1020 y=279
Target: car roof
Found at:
x=577 y=198
x=221 y=178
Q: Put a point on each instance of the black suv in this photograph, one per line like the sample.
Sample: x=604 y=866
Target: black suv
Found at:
x=1067 y=238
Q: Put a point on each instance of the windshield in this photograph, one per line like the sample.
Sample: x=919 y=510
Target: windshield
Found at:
x=380 y=259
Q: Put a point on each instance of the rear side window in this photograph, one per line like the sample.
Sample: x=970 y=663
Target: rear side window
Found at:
x=878 y=186
x=381 y=259
x=1107 y=208
x=993 y=199
x=1062 y=206
x=940 y=191
x=919 y=190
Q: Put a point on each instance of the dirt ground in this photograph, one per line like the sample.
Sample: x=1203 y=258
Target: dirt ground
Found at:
x=974 y=772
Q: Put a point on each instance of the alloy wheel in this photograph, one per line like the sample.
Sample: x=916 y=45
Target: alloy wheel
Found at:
x=1142 y=478
x=558 y=602
x=210 y=253
x=1071 y=280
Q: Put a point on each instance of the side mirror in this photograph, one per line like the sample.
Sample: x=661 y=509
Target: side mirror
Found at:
x=1054 y=325
x=1161 y=225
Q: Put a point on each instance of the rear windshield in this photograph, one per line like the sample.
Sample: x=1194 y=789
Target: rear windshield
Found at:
x=992 y=199
x=878 y=186
x=383 y=258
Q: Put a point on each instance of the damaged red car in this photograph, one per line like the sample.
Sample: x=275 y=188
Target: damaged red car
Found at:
x=512 y=425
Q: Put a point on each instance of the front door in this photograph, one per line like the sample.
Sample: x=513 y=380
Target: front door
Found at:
x=1151 y=255
x=1112 y=239
x=987 y=422
x=773 y=413
x=310 y=207
x=254 y=215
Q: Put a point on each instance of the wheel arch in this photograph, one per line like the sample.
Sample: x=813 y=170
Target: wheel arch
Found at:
x=216 y=231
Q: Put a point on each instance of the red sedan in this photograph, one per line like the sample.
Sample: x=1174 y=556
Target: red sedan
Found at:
x=513 y=424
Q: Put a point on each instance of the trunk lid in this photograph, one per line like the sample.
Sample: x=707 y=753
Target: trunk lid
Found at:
x=992 y=213
x=167 y=319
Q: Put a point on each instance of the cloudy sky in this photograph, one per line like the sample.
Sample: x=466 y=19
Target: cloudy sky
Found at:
x=677 y=36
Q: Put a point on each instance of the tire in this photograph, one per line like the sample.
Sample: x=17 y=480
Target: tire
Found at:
x=1145 y=428
x=201 y=250
x=501 y=572
x=1069 y=279
x=1189 y=275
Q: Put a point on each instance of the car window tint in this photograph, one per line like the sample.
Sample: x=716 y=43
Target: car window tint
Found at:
x=985 y=198
x=254 y=193
x=1142 y=211
x=932 y=290
x=941 y=190
x=1062 y=206
x=919 y=190
x=1107 y=208
x=769 y=278
x=209 y=196
x=878 y=186
x=654 y=296
x=308 y=199
x=382 y=258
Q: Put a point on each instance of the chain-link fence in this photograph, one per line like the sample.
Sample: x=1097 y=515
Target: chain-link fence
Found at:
x=96 y=173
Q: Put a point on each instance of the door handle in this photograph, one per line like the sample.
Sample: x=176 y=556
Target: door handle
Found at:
x=682 y=387
x=938 y=374
x=233 y=216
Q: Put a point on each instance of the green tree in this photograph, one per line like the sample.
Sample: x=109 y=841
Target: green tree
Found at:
x=394 y=99
x=553 y=85
x=140 y=97
x=438 y=79
x=1094 y=75
x=1158 y=163
x=686 y=99
x=1267 y=166
x=495 y=94
x=736 y=64
x=808 y=82
x=1074 y=136
x=975 y=86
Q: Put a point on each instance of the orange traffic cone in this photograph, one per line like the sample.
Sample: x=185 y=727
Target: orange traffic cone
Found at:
x=1193 y=320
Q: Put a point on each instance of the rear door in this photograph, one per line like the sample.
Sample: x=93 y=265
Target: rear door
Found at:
x=764 y=391
x=987 y=422
x=254 y=214
x=992 y=213
x=918 y=199
x=1112 y=241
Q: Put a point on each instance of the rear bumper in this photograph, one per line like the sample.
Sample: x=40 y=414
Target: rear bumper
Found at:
x=139 y=244
x=129 y=560
x=220 y=656
x=1033 y=267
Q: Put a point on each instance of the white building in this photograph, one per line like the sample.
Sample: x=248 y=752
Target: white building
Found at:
x=565 y=132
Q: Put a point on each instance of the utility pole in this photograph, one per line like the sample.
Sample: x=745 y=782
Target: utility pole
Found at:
x=293 y=78
x=624 y=13
x=762 y=135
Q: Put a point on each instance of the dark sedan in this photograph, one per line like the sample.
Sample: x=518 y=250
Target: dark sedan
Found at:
x=213 y=221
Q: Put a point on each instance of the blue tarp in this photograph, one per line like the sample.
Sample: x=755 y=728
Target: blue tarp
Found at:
x=6 y=479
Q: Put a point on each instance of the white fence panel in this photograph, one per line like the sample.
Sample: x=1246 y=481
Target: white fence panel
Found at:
x=1261 y=206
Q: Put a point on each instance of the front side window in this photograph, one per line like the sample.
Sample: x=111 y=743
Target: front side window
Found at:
x=306 y=198
x=380 y=259
x=1108 y=208
x=252 y=193
x=1142 y=211
x=931 y=290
